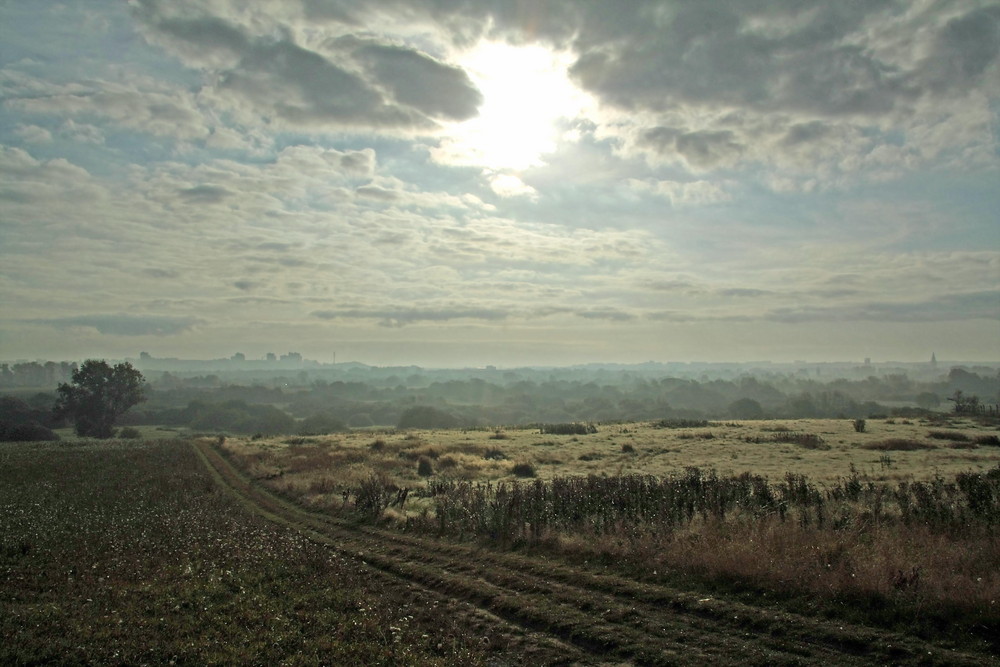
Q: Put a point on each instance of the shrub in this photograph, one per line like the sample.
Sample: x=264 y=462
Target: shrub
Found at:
x=30 y=432
x=628 y=449
x=423 y=416
x=523 y=469
x=896 y=445
x=988 y=440
x=859 y=425
x=321 y=424
x=954 y=436
x=573 y=428
x=424 y=467
x=680 y=423
x=129 y=433
x=494 y=454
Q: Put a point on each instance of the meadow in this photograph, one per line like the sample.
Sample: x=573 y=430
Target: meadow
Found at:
x=660 y=542
x=892 y=523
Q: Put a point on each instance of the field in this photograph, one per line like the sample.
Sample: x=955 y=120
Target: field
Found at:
x=130 y=554
x=766 y=542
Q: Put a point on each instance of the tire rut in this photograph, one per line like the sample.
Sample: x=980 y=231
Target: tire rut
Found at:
x=602 y=615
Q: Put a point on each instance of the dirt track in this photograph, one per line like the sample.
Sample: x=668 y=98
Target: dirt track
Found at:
x=553 y=613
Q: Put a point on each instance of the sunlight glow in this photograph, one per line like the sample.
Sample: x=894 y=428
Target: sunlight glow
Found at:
x=526 y=92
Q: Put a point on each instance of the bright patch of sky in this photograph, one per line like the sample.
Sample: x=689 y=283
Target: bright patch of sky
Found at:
x=552 y=182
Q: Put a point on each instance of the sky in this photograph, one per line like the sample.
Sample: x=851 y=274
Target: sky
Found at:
x=511 y=182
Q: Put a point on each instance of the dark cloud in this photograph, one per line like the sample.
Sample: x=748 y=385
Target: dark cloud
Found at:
x=125 y=325
x=703 y=149
x=161 y=273
x=245 y=285
x=205 y=194
x=375 y=192
x=972 y=305
x=419 y=81
x=403 y=316
x=361 y=82
x=966 y=46
x=610 y=314
x=744 y=292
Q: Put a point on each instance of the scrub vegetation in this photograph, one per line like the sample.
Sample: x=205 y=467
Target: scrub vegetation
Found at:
x=665 y=542
x=813 y=515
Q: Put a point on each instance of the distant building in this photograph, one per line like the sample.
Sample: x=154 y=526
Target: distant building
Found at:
x=239 y=356
x=271 y=356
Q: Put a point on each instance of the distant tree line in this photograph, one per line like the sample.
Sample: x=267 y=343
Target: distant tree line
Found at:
x=416 y=401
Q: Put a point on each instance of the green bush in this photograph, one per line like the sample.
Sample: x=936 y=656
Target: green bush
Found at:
x=129 y=433
x=523 y=469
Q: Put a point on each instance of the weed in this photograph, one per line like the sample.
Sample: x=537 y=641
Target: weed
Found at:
x=896 y=445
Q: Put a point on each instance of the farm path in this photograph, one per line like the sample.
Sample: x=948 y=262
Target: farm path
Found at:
x=554 y=613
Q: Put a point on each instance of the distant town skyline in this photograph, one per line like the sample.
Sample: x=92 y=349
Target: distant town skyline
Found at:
x=500 y=183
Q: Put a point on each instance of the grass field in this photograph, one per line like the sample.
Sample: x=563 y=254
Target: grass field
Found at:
x=654 y=543
x=765 y=448
x=895 y=524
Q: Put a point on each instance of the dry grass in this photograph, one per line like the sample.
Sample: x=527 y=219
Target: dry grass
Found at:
x=887 y=558
x=824 y=450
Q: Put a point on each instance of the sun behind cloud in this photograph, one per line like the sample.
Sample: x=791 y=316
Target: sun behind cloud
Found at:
x=526 y=91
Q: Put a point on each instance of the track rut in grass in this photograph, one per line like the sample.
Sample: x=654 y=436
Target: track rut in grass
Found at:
x=604 y=617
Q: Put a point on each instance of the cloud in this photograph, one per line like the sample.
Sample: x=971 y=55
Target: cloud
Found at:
x=419 y=81
x=347 y=81
x=125 y=325
x=680 y=194
x=945 y=308
x=398 y=317
x=33 y=134
x=205 y=194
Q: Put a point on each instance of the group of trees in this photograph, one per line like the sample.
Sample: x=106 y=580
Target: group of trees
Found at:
x=99 y=396
x=95 y=398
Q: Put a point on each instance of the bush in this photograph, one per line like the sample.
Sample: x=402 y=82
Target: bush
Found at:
x=988 y=440
x=424 y=467
x=575 y=428
x=954 y=436
x=423 y=416
x=523 y=469
x=321 y=424
x=859 y=425
x=30 y=432
x=896 y=445
x=129 y=433
x=680 y=423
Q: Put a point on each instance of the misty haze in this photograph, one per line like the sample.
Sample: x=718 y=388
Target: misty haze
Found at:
x=500 y=332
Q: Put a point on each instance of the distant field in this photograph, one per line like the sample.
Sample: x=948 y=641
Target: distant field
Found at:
x=767 y=448
x=764 y=542
x=895 y=521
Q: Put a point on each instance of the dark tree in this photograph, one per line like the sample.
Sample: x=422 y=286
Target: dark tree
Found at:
x=98 y=395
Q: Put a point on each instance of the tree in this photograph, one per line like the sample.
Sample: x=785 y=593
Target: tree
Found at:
x=98 y=395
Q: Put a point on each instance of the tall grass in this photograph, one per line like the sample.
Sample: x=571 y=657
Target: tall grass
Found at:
x=897 y=549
